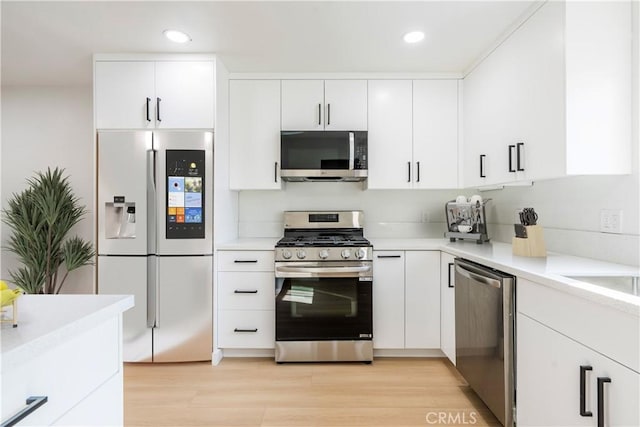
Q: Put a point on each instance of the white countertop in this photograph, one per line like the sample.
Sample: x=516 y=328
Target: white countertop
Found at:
x=549 y=270
x=45 y=321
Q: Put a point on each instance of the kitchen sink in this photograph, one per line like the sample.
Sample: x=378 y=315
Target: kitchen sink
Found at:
x=626 y=284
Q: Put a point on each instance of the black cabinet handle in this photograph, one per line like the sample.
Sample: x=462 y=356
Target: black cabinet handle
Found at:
x=158 y=109
x=519 y=155
x=511 y=148
x=482 y=175
x=319 y=114
x=449 y=283
x=328 y=114
x=33 y=403
x=245 y=261
x=408 y=171
x=583 y=391
x=245 y=330
x=148 y=116
x=418 y=171
x=238 y=291
x=601 y=381
x=275 y=172
x=388 y=256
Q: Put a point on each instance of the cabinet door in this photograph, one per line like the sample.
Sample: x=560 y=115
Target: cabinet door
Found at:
x=422 y=299
x=302 y=104
x=548 y=378
x=121 y=92
x=254 y=132
x=435 y=133
x=388 y=299
x=345 y=104
x=184 y=95
x=390 y=134
x=447 y=307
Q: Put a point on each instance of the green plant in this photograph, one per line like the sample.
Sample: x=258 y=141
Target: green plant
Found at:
x=40 y=217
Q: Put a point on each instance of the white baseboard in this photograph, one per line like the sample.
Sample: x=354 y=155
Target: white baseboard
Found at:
x=384 y=352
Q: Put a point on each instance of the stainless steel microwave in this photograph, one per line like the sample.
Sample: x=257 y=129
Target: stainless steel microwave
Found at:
x=323 y=155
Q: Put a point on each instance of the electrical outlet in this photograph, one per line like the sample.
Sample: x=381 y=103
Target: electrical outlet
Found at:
x=424 y=216
x=611 y=221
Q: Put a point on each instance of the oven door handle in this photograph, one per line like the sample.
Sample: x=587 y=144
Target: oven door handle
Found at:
x=286 y=271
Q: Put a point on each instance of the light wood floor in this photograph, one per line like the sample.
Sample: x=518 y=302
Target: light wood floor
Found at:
x=259 y=392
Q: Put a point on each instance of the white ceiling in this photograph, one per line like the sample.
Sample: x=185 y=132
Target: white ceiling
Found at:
x=51 y=43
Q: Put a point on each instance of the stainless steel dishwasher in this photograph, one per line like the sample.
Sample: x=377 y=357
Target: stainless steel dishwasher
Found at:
x=485 y=328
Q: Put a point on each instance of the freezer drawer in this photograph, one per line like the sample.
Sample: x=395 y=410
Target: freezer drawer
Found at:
x=184 y=325
x=122 y=275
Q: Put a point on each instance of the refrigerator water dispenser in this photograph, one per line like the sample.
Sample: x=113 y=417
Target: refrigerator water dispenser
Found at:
x=120 y=220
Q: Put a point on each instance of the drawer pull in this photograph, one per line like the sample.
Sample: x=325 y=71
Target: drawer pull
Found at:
x=245 y=330
x=246 y=261
x=388 y=256
x=449 y=282
x=583 y=391
x=601 y=381
x=33 y=403
x=238 y=291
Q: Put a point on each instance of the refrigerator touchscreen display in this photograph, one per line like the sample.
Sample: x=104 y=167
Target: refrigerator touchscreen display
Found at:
x=185 y=194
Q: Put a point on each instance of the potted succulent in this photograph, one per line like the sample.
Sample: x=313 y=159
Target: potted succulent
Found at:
x=40 y=217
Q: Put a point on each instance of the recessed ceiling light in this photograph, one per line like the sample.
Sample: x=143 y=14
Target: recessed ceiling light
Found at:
x=413 y=36
x=177 y=36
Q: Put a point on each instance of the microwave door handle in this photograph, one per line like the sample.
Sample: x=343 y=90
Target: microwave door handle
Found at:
x=351 y=150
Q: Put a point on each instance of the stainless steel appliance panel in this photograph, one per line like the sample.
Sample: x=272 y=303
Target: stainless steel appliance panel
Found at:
x=120 y=275
x=183 y=330
x=484 y=307
x=122 y=178
x=183 y=140
x=324 y=351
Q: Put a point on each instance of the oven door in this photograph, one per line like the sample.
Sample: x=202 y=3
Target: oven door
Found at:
x=323 y=304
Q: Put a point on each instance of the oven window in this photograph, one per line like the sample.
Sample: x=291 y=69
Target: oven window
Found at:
x=323 y=309
x=315 y=150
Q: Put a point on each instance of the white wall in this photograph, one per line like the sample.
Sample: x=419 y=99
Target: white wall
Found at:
x=48 y=127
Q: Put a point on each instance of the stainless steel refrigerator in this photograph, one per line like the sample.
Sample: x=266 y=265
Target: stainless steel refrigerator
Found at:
x=155 y=216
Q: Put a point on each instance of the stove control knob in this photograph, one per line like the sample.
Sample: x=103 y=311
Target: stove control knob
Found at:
x=301 y=254
x=361 y=253
x=323 y=254
x=346 y=253
x=286 y=254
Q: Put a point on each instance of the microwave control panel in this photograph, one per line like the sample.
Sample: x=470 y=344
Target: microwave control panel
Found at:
x=185 y=213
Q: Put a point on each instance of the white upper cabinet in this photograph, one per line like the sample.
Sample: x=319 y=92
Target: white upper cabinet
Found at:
x=553 y=99
x=154 y=95
x=435 y=133
x=413 y=134
x=390 y=139
x=324 y=105
x=254 y=133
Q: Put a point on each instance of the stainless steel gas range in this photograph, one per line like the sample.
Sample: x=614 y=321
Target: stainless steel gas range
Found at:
x=324 y=278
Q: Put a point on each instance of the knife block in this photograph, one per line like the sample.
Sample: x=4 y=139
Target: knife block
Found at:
x=533 y=245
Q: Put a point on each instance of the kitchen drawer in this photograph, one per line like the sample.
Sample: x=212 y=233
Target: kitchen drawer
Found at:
x=246 y=329
x=602 y=328
x=252 y=290
x=66 y=374
x=245 y=260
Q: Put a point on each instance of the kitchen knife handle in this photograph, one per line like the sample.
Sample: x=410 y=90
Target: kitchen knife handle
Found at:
x=449 y=282
x=158 y=109
x=519 y=155
x=601 y=381
x=511 y=148
x=482 y=157
x=148 y=116
x=583 y=391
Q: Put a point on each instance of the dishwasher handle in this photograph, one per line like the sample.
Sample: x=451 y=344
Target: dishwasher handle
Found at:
x=478 y=278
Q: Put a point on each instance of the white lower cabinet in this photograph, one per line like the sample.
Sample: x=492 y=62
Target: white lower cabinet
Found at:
x=447 y=307
x=246 y=300
x=406 y=299
x=548 y=382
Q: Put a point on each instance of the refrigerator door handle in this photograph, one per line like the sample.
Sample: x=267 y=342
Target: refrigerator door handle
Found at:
x=152 y=292
x=152 y=202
